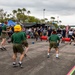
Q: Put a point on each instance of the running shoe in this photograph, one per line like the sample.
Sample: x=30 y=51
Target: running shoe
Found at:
x=20 y=64
x=25 y=55
x=48 y=56
x=15 y=65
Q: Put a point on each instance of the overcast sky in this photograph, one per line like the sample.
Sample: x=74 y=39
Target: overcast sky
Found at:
x=65 y=9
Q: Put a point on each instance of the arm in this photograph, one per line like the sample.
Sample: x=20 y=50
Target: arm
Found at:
x=58 y=39
x=49 y=39
x=12 y=38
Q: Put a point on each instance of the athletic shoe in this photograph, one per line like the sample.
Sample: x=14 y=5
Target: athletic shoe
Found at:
x=1 y=48
x=48 y=56
x=25 y=55
x=4 y=48
x=15 y=65
x=20 y=64
x=57 y=57
x=74 y=44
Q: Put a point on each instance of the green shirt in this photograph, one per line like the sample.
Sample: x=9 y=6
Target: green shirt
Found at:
x=4 y=28
x=24 y=34
x=54 y=38
x=17 y=38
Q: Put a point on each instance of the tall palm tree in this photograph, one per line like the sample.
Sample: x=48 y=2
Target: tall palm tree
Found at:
x=19 y=10
x=5 y=14
x=28 y=12
x=53 y=18
x=14 y=13
x=1 y=13
x=24 y=10
x=60 y=22
x=8 y=15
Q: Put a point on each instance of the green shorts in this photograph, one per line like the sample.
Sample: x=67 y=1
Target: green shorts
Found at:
x=18 y=48
x=3 y=35
x=53 y=45
x=25 y=43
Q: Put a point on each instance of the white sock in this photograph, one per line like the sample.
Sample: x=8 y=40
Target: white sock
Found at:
x=14 y=62
x=57 y=55
x=20 y=62
x=48 y=54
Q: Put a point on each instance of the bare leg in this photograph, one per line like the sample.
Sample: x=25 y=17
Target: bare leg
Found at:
x=22 y=56
x=21 y=59
x=48 y=53
x=14 y=57
x=26 y=50
x=57 y=52
x=3 y=42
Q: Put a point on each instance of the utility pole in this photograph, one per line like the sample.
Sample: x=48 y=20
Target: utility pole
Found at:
x=43 y=13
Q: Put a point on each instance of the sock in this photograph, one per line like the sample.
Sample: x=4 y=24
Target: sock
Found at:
x=14 y=62
x=56 y=55
x=48 y=54
x=20 y=62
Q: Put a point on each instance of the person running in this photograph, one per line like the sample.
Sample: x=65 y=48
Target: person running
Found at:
x=17 y=38
x=25 y=43
x=73 y=38
x=3 y=36
x=70 y=33
x=49 y=32
x=36 y=35
x=53 y=43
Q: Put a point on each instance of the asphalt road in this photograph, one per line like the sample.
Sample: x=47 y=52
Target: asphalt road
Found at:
x=36 y=62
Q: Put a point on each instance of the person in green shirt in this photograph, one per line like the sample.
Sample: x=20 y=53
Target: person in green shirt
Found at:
x=53 y=43
x=25 y=43
x=17 y=38
x=3 y=36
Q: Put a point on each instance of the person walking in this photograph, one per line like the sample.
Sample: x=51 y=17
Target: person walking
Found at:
x=3 y=36
x=25 y=43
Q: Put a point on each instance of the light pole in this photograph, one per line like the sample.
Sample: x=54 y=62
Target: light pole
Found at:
x=58 y=20
x=43 y=13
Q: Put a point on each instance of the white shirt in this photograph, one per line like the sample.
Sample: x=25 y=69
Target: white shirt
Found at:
x=70 y=32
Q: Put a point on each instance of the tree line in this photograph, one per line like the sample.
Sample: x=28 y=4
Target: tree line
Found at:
x=23 y=15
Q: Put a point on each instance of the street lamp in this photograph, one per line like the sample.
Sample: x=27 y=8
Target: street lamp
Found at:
x=43 y=13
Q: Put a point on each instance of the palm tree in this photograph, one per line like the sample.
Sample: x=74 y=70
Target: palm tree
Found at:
x=53 y=18
x=28 y=12
x=1 y=13
x=24 y=10
x=60 y=22
x=14 y=13
x=8 y=15
x=42 y=20
x=5 y=14
x=19 y=10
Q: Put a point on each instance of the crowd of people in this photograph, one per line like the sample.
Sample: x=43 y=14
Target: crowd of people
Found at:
x=18 y=35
